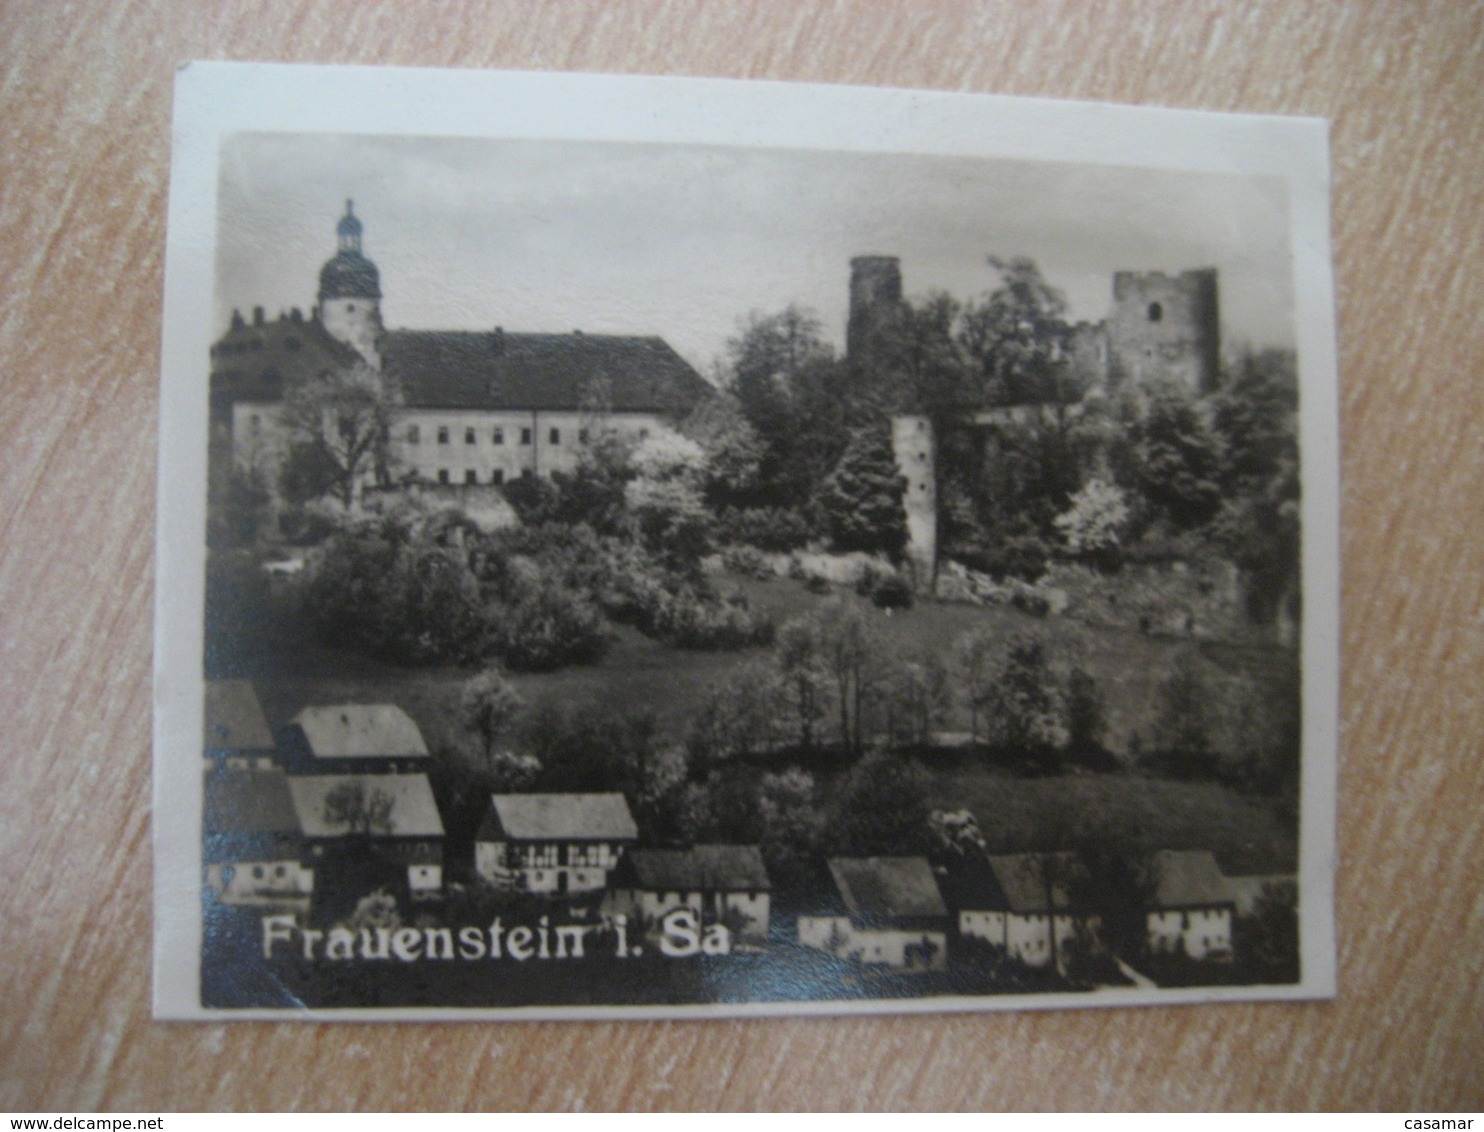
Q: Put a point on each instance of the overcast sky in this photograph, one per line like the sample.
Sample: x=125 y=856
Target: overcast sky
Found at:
x=684 y=241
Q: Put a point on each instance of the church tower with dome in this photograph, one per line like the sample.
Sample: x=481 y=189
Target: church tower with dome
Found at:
x=350 y=293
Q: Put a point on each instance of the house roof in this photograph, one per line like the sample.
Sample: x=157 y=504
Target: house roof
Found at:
x=412 y=812
x=726 y=868
x=550 y=817
x=1188 y=878
x=360 y=731
x=248 y=801
x=258 y=361
x=887 y=887
x=1036 y=883
x=495 y=371
x=233 y=718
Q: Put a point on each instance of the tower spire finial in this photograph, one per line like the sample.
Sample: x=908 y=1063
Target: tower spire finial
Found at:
x=349 y=229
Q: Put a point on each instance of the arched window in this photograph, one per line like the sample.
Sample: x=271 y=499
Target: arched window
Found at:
x=1156 y=312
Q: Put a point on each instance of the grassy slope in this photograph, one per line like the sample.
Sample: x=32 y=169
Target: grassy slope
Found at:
x=1247 y=834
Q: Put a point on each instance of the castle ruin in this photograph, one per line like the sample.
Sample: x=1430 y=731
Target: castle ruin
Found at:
x=1161 y=329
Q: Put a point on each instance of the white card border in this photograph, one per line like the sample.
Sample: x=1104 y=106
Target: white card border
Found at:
x=214 y=100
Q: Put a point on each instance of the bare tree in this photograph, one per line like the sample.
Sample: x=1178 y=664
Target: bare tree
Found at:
x=361 y=811
x=340 y=425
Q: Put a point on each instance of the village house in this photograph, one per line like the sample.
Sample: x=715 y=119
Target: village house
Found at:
x=557 y=844
x=1024 y=904
x=889 y=913
x=720 y=884
x=252 y=847
x=353 y=739
x=1192 y=906
x=235 y=730
x=384 y=822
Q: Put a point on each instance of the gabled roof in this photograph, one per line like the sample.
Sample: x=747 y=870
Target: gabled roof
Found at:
x=360 y=731
x=709 y=868
x=495 y=371
x=885 y=888
x=554 y=817
x=1188 y=878
x=260 y=361
x=412 y=811
x=1036 y=883
x=248 y=801
x=233 y=719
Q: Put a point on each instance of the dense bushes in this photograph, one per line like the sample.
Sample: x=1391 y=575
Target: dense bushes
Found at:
x=417 y=590
x=777 y=529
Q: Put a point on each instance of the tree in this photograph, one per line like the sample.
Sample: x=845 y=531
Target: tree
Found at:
x=792 y=392
x=1017 y=335
x=360 y=810
x=1180 y=461
x=789 y=820
x=850 y=649
x=914 y=364
x=1182 y=726
x=862 y=498
x=738 y=718
x=732 y=448
x=488 y=703
x=664 y=497
x=341 y=423
x=918 y=695
x=1255 y=415
x=882 y=809
x=974 y=656
x=1085 y=712
x=1094 y=525
x=803 y=677
x=1025 y=703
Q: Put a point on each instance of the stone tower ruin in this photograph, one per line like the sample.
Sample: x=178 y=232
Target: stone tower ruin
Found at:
x=875 y=302
x=1164 y=329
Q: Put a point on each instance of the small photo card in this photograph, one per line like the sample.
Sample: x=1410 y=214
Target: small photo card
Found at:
x=641 y=547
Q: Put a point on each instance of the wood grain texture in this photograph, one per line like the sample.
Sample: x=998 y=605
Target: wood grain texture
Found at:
x=85 y=90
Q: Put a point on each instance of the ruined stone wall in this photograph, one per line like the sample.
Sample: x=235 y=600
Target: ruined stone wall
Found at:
x=912 y=444
x=1163 y=329
x=875 y=302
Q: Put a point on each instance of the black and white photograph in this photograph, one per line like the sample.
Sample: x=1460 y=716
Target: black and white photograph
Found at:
x=721 y=575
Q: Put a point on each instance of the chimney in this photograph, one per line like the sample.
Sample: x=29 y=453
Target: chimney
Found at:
x=237 y=323
x=296 y=315
x=257 y=316
x=497 y=341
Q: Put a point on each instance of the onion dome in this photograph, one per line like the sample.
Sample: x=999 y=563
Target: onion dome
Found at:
x=350 y=275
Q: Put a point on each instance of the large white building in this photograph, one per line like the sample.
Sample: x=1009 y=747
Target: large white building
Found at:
x=475 y=406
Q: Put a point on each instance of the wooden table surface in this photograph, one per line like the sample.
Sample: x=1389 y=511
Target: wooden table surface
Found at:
x=85 y=115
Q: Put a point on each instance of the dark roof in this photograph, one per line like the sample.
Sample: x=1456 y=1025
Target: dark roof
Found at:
x=710 y=868
x=496 y=371
x=413 y=813
x=258 y=361
x=1188 y=878
x=1036 y=883
x=248 y=801
x=553 y=817
x=360 y=731
x=233 y=719
x=349 y=275
x=884 y=888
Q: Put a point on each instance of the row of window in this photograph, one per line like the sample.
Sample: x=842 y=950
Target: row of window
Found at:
x=497 y=435
x=443 y=475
